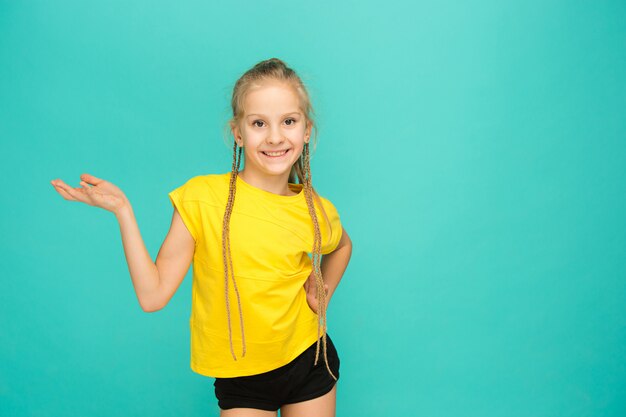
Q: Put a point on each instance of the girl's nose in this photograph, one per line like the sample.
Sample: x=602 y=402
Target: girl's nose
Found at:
x=274 y=136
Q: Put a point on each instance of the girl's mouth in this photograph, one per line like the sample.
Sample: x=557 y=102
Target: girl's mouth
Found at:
x=276 y=155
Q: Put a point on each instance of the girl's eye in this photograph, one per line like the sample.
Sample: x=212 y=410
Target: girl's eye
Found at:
x=292 y=120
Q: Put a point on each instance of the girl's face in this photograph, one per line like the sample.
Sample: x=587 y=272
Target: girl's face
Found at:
x=272 y=122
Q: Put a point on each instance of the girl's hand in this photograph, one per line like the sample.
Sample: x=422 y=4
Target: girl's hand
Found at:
x=103 y=194
x=311 y=292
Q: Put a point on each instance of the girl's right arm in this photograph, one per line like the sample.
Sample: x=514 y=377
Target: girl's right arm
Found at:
x=154 y=283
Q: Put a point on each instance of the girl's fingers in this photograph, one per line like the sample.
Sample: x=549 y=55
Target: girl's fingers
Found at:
x=90 y=179
x=70 y=192
x=309 y=283
x=64 y=193
x=76 y=193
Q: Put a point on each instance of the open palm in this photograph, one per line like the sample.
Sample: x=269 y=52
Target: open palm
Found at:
x=101 y=193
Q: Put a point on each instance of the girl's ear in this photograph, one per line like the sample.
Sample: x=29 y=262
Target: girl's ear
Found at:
x=236 y=134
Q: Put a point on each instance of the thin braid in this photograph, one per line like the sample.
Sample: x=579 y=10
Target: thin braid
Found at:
x=226 y=249
x=316 y=253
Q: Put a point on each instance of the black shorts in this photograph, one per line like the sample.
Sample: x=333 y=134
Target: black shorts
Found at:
x=297 y=381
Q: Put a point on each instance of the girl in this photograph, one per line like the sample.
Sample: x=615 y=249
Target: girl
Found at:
x=258 y=244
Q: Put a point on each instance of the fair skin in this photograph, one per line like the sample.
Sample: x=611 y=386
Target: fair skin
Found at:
x=273 y=121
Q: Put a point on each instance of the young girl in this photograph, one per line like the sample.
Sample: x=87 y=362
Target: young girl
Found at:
x=248 y=234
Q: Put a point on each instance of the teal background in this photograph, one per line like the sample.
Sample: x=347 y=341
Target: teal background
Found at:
x=474 y=149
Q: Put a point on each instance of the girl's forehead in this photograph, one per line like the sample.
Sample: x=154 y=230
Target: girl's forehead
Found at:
x=271 y=88
x=273 y=98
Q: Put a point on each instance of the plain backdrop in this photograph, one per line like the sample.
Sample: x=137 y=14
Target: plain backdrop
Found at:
x=475 y=151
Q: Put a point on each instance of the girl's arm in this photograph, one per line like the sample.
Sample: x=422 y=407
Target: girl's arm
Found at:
x=156 y=282
x=335 y=263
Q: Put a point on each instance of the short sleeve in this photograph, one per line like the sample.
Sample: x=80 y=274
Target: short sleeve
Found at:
x=330 y=240
x=188 y=207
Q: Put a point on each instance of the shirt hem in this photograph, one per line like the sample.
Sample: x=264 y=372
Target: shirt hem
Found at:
x=205 y=371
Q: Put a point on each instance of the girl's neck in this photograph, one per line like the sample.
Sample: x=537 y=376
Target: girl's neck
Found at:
x=276 y=184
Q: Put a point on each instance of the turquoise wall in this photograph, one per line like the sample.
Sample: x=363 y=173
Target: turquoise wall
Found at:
x=475 y=151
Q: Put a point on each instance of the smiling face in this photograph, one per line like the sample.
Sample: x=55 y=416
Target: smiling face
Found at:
x=272 y=131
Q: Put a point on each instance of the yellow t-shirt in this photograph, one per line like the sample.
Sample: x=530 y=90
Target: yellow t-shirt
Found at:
x=270 y=238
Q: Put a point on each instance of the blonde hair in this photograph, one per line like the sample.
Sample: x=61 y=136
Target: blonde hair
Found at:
x=276 y=69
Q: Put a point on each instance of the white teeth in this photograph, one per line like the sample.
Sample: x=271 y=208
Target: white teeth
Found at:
x=275 y=153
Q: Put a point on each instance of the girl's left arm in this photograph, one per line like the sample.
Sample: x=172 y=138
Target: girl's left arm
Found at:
x=334 y=264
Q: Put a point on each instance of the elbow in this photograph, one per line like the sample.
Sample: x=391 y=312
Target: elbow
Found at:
x=151 y=310
x=344 y=241
x=147 y=309
x=150 y=307
x=348 y=244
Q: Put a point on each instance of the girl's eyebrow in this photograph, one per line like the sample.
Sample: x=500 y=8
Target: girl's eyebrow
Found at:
x=262 y=115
